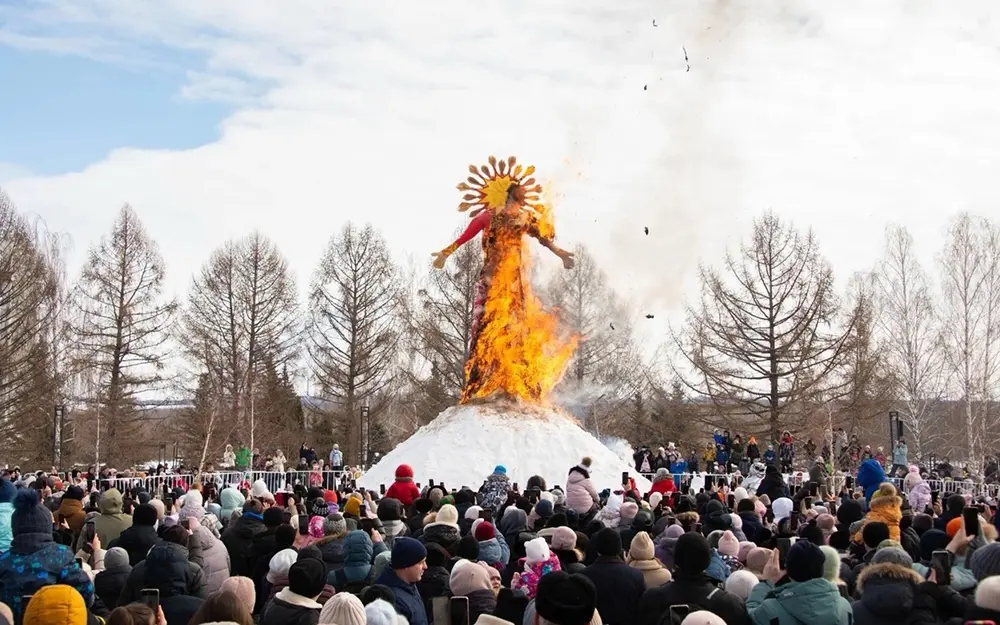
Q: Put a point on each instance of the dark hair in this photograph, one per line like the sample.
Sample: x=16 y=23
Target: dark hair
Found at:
x=220 y=607
x=874 y=533
x=284 y=536
x=132 y=614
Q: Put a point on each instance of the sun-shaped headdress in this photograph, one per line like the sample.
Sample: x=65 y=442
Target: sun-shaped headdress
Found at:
x=488 y=186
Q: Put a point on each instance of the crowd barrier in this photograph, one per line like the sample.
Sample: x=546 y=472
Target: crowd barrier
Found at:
x=278 y=481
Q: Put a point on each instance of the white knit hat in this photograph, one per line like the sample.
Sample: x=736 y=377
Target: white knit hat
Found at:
x=741 y=583
x=537 y=550
x=280 y=563
x=702 y=618
x=343 y=609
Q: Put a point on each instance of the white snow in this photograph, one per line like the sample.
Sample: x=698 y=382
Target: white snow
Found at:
x=464 y=443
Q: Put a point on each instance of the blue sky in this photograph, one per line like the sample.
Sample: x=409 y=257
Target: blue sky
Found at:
x=60 y=113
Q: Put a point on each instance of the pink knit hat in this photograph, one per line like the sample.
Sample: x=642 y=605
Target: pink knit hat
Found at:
x=745 y=548
x=728 y=545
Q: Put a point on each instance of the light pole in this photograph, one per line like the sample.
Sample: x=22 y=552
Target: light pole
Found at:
x=57 y=424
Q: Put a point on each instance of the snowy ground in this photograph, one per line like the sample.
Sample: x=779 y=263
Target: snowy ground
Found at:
x=464 y=443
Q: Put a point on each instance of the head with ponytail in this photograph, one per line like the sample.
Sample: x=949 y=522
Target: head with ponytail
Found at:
x=133 y=614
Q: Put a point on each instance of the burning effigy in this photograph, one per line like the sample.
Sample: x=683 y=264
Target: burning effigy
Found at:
x=516 y=349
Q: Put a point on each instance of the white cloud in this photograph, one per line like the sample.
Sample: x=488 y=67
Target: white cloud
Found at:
x=842 y=118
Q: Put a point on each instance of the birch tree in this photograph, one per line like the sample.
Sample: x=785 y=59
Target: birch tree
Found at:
x=354 y=326
x=764 y=337
x=122 y=324
x=912 y=342
x=968 y=266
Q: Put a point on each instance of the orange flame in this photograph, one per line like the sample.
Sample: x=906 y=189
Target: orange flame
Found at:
x=519 y=350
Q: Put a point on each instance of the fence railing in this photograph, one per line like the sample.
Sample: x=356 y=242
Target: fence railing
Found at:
x=277 y=481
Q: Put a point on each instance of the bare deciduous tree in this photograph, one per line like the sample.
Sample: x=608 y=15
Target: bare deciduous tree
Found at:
x=911 y=335
x=439 y=326
x=868 y=384
x=354 y=318
x=242 y=313
x=122 y=323
x=764 y=337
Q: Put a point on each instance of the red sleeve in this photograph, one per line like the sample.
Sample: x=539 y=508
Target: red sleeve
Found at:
x=477 y=225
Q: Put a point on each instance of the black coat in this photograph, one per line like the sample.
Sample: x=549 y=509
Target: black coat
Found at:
x=752 y=527
x=108 y=585
x=891 y=595
x=180 y=609
x=137 y=540
x=619 y=589
x=279 y=612
x=693 y=590
x=239 y=541
x=773 y=485
x=167 y=569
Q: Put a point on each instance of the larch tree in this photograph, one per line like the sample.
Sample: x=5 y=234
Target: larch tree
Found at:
x=354 y=310
x=911 y=337
x=121 y=327
x=28 y=384
x=242 y=314
x=764 y=337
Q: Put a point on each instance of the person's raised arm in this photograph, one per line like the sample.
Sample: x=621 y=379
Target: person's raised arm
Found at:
x=567 y=257
x=477 y=225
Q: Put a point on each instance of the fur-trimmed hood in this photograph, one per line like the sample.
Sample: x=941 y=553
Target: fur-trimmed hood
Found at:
x=889 y=592
x=887 y=571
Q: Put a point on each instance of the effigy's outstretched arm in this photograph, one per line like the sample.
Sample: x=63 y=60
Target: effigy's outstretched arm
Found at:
x=567 y=257
x=477 y=225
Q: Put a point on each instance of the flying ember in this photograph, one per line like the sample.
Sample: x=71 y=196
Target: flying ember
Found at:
x=516 y=347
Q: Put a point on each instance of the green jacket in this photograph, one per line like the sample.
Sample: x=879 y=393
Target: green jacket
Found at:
x=816 y=602
x=243 y=458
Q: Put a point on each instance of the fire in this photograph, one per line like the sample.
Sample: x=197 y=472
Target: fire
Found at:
x=520 y=350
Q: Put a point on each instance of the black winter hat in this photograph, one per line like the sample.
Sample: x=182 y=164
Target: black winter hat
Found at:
x=273 y=517
x=376 y=592
x=607 y=542
x=468 y=548
x=423 y=506
x=931 y=541
x=874 y=533
x=692 y=554
x=144 y=497
x=319 y=507
x=312 y=552
x=849 y=512
x=565 y=599
x=390 y=509
x=684 y=504
x=144 y=514
x=74 y=492
x=307 y=578
x=30 y=516
x=956 y=503
x=804 y=561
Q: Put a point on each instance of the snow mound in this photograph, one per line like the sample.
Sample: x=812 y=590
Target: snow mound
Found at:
x=464 y=443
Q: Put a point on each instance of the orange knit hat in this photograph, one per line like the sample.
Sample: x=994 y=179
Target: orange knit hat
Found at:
x=953 y=526
x=56 y=604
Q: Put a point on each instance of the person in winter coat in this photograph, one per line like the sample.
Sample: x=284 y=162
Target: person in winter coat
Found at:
x=619 y=586
x=892 y=594
x=211 y=555
x=899 y=456
x=804 y=598
x=493 y=494
x=472 y=580
x=356 y=572
x=239 y=536
x=755 y=477
x=773 y=485
x=7 y=493
x=885 y=507
x=112 y=521
x=770 y=457
x=870 y=477
x=538 y=562
x=663 y=483
x=716 y=517
x=71 y=509
x=296 y=603
x=140 y=537
x=513 y=523
x=403 y=489
x=581 y=495
x=332 y=544
x=167 y=567
x=678 y=467
x=108 y=584
x=665 y=544
x=436 y=577
x=690 y=586
x=753 y=528
x=491 y=550
x=918 y=491
x=641 y=557
x=564 y=547
x=228 y=458
x=390 y=513
x=231 y=500
x=817 y=481
x=34 y=559
x=444 y=530
x=786 y=452
x=407 y=565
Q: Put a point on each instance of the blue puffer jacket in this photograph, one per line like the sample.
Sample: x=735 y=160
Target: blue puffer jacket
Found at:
x=33 y=561
x=358 y=554
x=6 y=534
x=870 y=477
